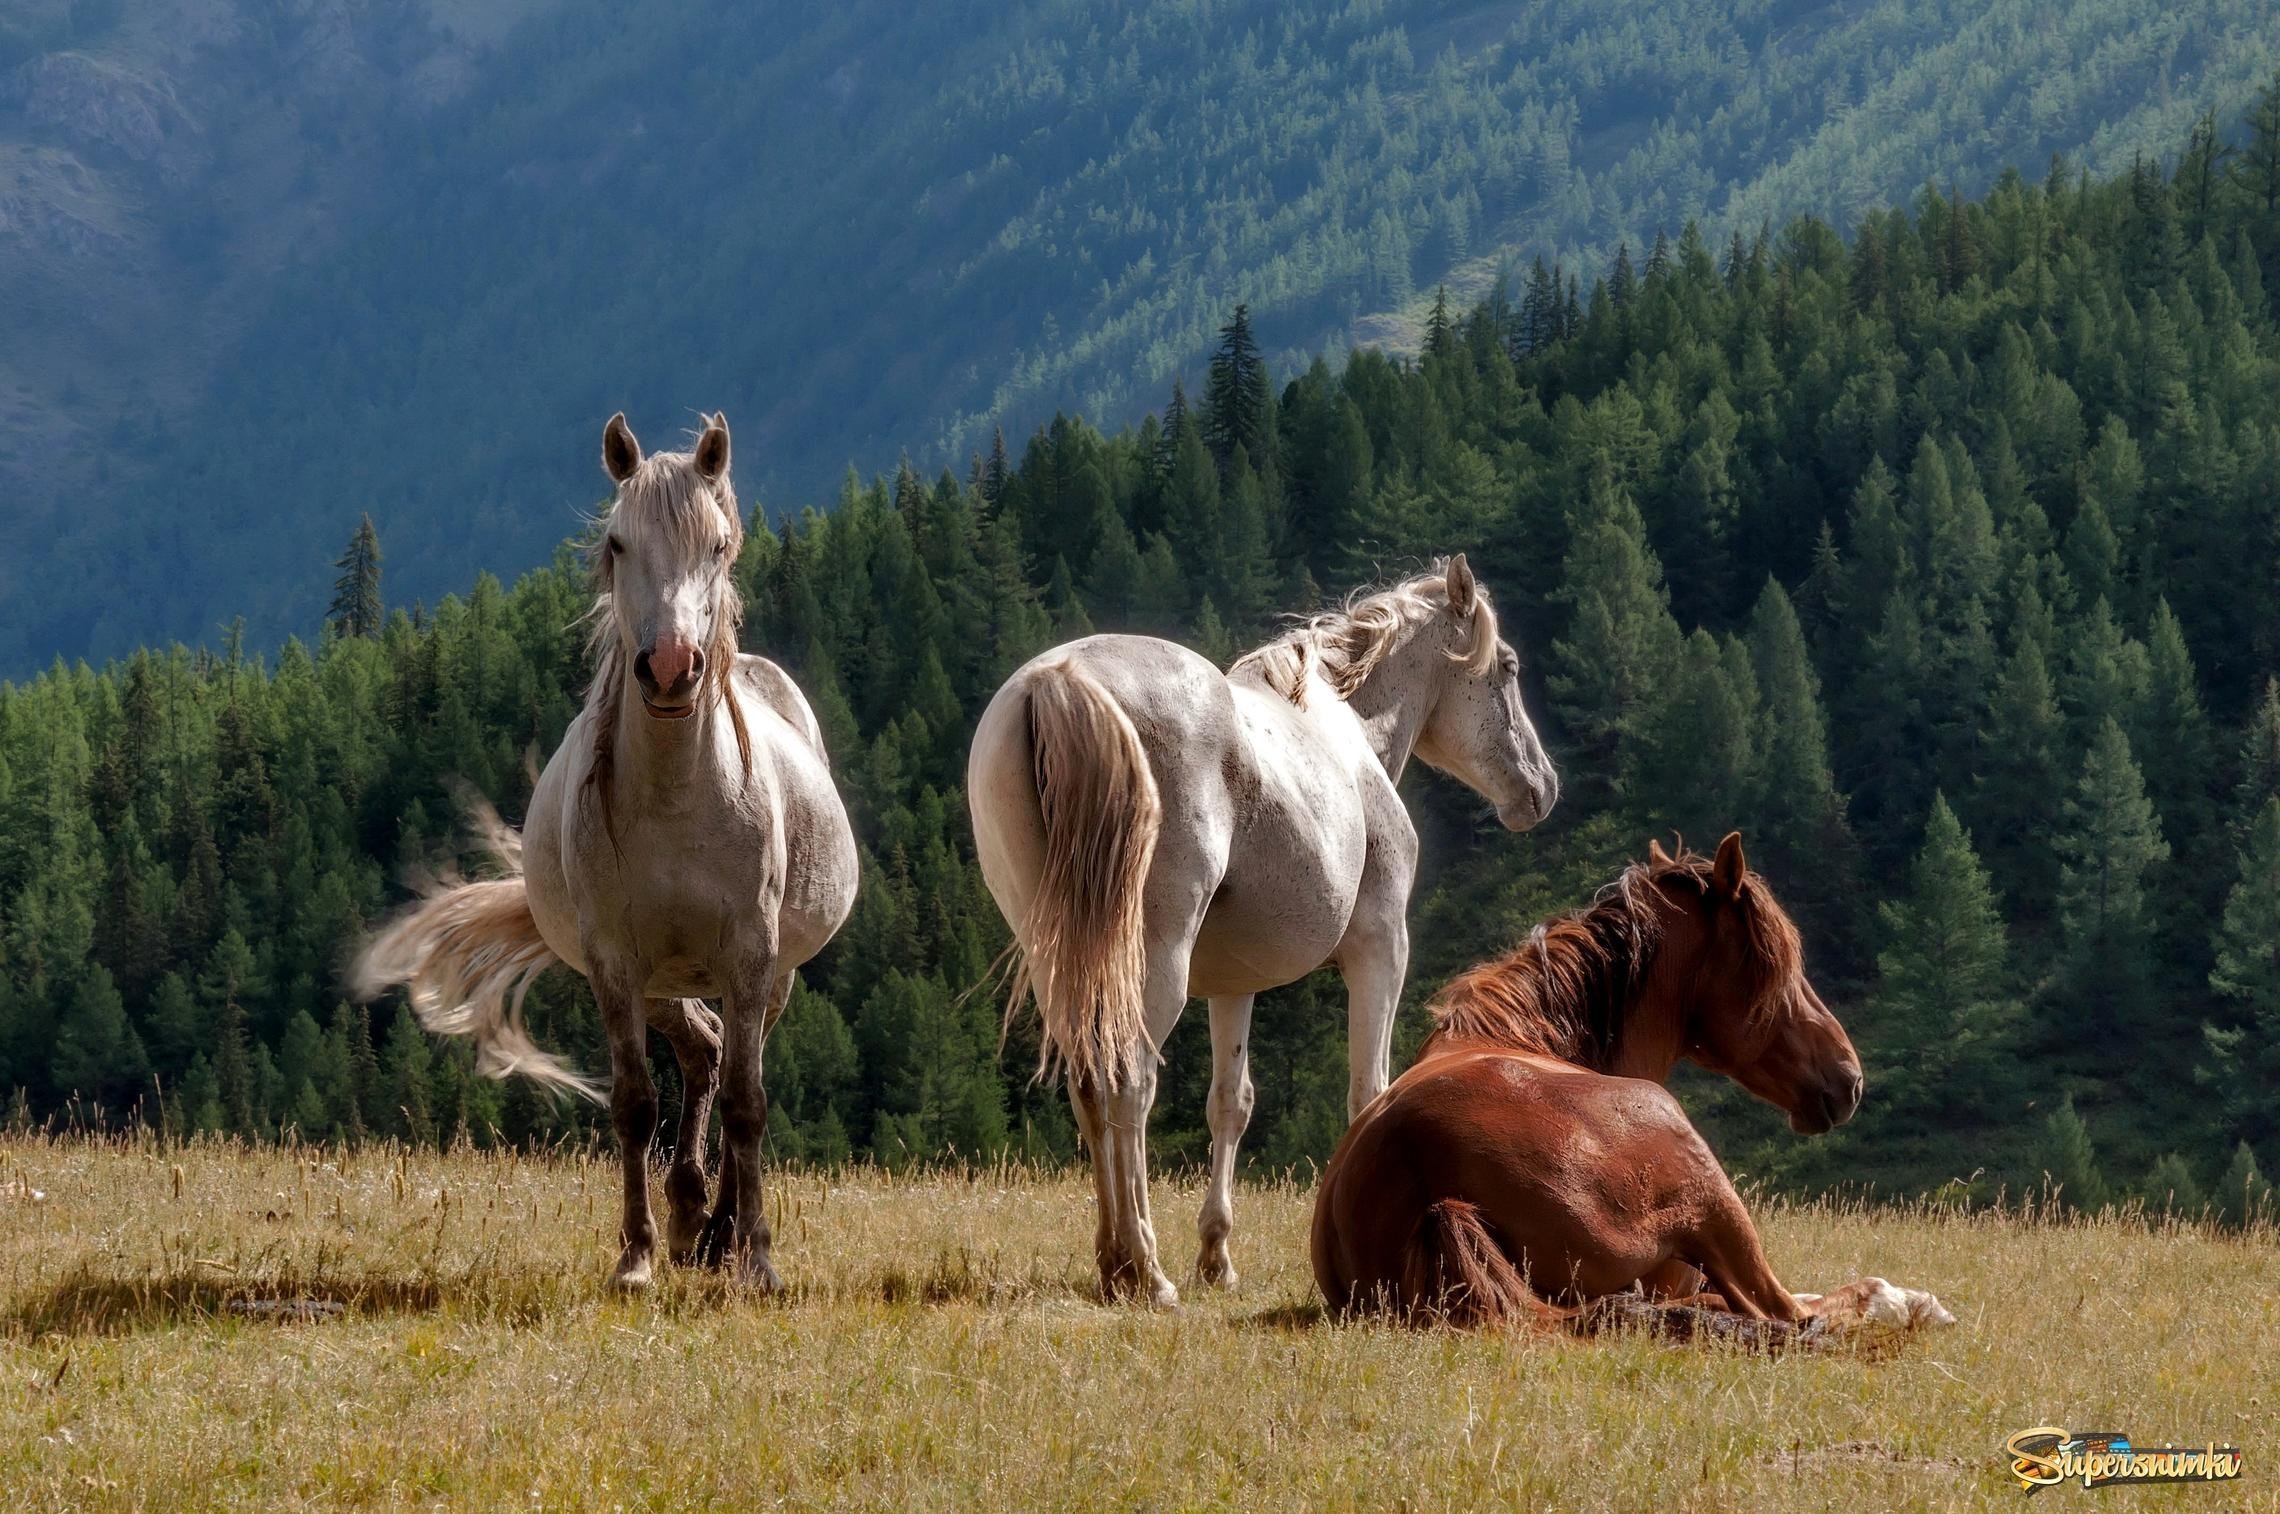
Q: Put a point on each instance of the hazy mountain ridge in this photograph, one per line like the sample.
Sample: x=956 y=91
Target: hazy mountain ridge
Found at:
x=278 y=261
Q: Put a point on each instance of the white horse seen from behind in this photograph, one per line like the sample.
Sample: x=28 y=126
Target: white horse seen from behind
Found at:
x=685 y=842
x=1154 y=830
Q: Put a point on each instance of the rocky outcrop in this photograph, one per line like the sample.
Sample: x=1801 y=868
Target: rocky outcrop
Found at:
x=102 y=108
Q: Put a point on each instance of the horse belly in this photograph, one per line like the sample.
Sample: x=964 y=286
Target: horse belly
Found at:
x=1294 y=870
x=1273 y=921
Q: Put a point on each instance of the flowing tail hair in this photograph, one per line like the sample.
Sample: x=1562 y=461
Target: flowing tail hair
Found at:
x=467 y=953
x=1082 y=952
x=1457 y=1273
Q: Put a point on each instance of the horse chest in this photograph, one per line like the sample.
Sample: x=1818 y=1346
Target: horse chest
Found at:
x=683 y=894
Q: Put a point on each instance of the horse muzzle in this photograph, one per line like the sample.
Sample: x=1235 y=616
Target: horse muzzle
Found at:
x=1528 y=811
x=669 y=673
x=1832 y=1101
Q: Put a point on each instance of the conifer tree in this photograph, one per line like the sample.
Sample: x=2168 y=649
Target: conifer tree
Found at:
x=2069 y=1160
x=98 y=1056
x=1235 y=399
x=1439 y=331
x=2242 y=1063
x=1608 y=671
x=2109 y=848
x=2243 y=1195
x=2259 y=769
x=356 y=608
x=1942 y=1000
x=2171 y=1189
x=407 y=1073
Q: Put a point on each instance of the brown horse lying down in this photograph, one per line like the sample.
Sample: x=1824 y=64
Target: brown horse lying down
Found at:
x=1531 y=1168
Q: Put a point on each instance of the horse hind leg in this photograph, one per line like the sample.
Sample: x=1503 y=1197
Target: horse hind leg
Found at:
x=694 y=1031
x=1229 y=1112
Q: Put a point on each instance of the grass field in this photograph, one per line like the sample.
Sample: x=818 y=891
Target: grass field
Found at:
x=939 y=1346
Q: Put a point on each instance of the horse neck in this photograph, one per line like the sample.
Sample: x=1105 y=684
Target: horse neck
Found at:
x=660 y=757
x=1654 y=1023
x=1397 y=699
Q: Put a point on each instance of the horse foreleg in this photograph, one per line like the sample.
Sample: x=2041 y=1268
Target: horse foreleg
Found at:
x=694 y=1031
x=740 y=1220
x=1229 y=1112
x=633 y=1111
x=1374 y=961
x=1725 y=1246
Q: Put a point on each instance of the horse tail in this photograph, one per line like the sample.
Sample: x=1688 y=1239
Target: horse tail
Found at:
x=1083 y=949
x=1455 y=1272
x=467 y=954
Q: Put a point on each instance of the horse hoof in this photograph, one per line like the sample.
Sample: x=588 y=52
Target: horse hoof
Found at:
x=759 y=1276
x=1217 y=1273
x=633 y=1274
x=1164 y=1296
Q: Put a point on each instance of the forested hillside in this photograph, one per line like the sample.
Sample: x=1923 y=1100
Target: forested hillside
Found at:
x=272 y=262
x=1938 y=562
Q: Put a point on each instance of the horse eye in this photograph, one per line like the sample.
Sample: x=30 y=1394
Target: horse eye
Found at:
x=720 y=548
x=612 y=545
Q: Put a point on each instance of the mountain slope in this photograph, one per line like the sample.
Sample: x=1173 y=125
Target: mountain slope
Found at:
x=362 y=264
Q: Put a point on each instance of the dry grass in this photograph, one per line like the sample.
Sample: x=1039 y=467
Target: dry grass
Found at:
x=939 y=1347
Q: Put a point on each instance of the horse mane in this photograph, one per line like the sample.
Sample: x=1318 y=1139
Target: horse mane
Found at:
x=1347 y=644
x=1567 y=990
x=664 y=494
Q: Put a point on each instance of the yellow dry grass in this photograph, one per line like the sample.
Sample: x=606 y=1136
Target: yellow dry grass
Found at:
x=939 y=1346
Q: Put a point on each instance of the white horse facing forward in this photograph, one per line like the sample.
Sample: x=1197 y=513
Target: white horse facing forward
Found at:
x=1154 y=830
x=685 y=842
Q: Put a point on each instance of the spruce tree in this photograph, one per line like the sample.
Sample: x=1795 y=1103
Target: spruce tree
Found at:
x=1235 y=399
x=2109 y=849
x=2259 y=769
x=2243 y=1195
x=2069 y=1160
x=356 y=608
x=1942 y=999
x=2170 y=1188
x=98 y=1056
x=1439 y=333
x=2242 y=1062
x=1608 y=670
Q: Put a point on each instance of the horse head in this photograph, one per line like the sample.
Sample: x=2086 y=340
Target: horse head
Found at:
x=663 y=563
x=1479 y=732
x=1749 y=1011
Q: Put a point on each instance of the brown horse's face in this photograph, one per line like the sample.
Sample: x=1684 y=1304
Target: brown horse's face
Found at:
x=1780 y=1042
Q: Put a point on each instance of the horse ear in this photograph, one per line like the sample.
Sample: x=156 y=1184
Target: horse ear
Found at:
x=1461 y=586
x=1727 y=873
x=621 y=454
x=712 y=448
x=1656 y=854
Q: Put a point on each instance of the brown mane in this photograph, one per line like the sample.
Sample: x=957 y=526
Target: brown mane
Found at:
x=1567 y=989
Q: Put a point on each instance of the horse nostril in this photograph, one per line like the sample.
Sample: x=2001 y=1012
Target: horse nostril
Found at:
x=642 y=672
x=696 y=662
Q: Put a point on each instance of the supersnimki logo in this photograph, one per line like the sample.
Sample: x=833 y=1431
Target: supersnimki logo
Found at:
x=2047 y=1456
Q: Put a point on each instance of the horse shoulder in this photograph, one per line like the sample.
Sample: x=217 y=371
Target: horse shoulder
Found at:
x=774 y=688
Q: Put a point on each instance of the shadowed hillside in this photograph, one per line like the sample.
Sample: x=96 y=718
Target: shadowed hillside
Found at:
x=274 y=260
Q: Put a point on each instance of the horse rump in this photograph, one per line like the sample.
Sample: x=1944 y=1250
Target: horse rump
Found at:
x=1082 y=952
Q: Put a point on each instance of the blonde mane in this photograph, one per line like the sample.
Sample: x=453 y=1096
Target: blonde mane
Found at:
x=1347 y=645
x=664 y=495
